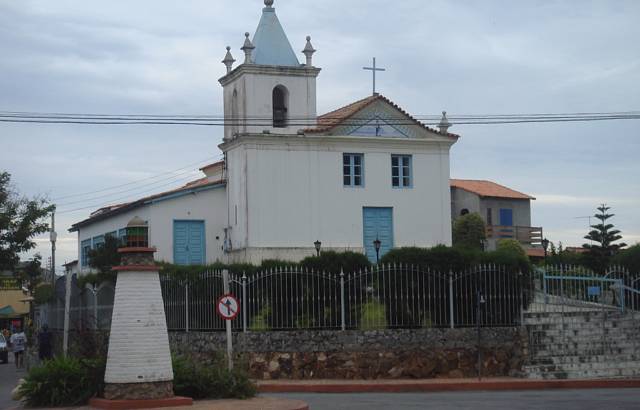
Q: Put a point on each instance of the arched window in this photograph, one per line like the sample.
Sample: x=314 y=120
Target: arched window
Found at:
x=464 y=212
x=280 y=101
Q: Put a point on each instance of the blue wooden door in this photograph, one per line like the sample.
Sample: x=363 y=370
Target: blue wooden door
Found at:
x=188 y=243
x=377 y=224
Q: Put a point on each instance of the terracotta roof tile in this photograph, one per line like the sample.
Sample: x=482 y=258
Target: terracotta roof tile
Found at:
x=488 y=189
x=217 y=163
x=341 y=115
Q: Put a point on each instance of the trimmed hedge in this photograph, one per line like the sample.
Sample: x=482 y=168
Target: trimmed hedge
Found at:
x=443 y=258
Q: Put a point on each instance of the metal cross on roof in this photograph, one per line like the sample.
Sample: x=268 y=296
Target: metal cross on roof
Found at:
x=374 y=69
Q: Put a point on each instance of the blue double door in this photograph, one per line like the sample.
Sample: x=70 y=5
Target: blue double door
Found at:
x=188 y=243
x=377 y=224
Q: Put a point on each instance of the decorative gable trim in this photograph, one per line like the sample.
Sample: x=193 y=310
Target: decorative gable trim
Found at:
x=330 y=122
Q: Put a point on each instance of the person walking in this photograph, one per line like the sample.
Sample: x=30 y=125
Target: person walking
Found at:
x=18 y=343
x=45 y=349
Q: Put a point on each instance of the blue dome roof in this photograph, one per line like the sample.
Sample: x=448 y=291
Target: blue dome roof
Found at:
x=271 y=42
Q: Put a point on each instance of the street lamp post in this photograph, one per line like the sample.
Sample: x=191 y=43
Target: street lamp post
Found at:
x=545 y=246
x=317 y=244
x=376 y=245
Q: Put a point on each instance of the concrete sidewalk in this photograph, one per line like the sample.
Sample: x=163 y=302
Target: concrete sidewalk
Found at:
x=435 y=385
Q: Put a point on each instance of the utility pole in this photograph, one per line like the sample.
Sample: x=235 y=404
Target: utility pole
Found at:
x=53 y=236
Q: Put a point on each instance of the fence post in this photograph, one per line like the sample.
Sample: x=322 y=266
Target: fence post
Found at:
x=522 y=296
x=544 y=284
x=95 y=307
x=186 y=306
x=451 y=320
x=244 y=302
x=342 y=313
x=622 y=301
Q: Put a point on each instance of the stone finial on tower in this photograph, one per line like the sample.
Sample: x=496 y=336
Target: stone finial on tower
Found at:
x=228 y=60
x=444 y=123
x=308 y=51
x=247 y=48
x=268 y=3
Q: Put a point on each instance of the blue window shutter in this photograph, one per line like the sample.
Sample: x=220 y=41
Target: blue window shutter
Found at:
x=98 y=241
x=85 y=246
x=506 y=217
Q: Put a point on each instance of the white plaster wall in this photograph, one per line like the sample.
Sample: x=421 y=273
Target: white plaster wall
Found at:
x=296 y=194
x=138 y=343
x=210 y=206
x=255 y=102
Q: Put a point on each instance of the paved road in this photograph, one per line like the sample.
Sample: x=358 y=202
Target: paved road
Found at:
x=584 y=399
x=9 y=376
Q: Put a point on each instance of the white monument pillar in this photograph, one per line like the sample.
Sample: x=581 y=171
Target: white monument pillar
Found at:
x=139 y=360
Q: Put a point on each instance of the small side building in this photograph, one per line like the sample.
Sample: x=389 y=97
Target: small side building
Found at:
x=505 y=212
x=186 y=225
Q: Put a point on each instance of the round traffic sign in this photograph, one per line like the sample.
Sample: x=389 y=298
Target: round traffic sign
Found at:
x=228 y=307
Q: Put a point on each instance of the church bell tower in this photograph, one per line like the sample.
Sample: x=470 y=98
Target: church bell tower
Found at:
x=270 y=92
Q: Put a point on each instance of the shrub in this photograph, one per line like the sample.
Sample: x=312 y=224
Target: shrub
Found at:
x=334 y=262
x=509 y=253
x=260 y=322
x=63 y=381
x=193 y=379
x=469 y=231
x=440 y=258
x=373 y=315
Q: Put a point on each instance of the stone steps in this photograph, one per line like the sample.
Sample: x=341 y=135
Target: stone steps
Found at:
x=614 y=373
x=571 y=359
x=575 y=367
x=583 y=344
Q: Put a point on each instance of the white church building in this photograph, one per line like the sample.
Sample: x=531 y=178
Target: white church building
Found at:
x=289 y=177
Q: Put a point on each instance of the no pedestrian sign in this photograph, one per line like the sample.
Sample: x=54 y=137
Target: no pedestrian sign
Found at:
x=228 y=307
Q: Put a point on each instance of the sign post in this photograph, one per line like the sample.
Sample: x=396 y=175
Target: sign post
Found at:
x=228 y=307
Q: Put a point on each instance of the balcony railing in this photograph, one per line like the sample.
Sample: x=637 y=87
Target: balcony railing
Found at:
x=529 y=235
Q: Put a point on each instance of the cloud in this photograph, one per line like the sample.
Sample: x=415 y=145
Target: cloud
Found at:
x=557 y=199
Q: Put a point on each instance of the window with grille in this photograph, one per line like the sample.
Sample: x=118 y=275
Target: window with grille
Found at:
x=353 y=170
x=401 y=171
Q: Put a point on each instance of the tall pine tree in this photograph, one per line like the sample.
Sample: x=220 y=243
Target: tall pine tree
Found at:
x=603 y=235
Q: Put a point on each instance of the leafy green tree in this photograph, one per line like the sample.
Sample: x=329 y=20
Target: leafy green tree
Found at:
x=21 y=219
x=103 y=259
x=630 y=258
x=31 y=273
x=603 y=236
x=469 y=231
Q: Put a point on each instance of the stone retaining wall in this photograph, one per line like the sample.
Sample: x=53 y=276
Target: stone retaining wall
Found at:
x=381 y=354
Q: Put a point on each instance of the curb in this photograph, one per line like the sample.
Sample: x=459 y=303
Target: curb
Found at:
x=430 y=386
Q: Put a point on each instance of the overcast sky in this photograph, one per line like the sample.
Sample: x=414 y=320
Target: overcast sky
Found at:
x=466 y=57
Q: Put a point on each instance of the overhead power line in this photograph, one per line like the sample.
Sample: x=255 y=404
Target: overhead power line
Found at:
x=114 y=201
x=201 y=120
x=189 y=166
